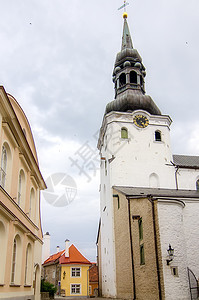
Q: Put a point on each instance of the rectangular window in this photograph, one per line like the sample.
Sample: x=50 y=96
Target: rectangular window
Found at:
x=75 y=272
x=142 y=260
x=140 y=229
x=174 y=271
x=75 y=288
x=90 y=289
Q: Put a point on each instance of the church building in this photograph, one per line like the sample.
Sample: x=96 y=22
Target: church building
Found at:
x=148 y=239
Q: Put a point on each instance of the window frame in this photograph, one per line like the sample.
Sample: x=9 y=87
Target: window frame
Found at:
x=4 y=164
x=197 y=185
x=75 y=271
x=124 y=133
x=14 y=261
x=140 y=226
x=75 y=286
x=158 y=138
x=142 y=256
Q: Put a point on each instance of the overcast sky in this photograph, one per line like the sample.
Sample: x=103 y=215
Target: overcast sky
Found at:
x=56 y=59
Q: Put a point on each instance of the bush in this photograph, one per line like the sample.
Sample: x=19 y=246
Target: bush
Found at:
x=48 y=287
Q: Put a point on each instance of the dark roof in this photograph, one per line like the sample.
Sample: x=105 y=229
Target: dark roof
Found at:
x=186 y=161
x=157 y=192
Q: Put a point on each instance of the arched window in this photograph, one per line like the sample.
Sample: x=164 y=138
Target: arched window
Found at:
x=21 y=188
x=28 y=265
x=122 y=79
x=133 y=77
x=124 y=133
x=16 y=261
x=4 y=158
x=32 y=203
x=141 y=81
x=154 y=180
x=158 y=136
x=14 y=258
x=140 y=225
x=197 y=185
x=3 y=246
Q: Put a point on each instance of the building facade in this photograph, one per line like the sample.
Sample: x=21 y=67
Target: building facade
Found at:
x=149 y=198
x=68 y=270
x=20 y=224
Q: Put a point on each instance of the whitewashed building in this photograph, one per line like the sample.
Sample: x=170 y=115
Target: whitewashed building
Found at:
x=149 y=198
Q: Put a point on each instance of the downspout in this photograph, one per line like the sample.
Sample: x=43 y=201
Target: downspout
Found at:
x=131 y=242
x=88 y=280
x=176 y=173
x=176 y=176
x=156 y=248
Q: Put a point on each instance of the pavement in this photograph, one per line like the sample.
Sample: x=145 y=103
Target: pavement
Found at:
x=78 y=298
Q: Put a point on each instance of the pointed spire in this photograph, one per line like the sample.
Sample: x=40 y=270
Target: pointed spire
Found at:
x=126 y=38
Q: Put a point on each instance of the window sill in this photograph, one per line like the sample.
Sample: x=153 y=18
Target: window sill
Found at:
x=27 y=285
x=14 y=285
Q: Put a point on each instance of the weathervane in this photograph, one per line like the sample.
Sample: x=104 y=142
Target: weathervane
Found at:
x=124 y=6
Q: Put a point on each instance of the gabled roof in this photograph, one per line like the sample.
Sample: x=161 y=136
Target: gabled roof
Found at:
x=186 y=161
x=75 y=257
x=53 y=257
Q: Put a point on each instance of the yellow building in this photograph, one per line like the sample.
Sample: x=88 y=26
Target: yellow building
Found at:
x=74 y=272
x=20 y=224
x=72 y=279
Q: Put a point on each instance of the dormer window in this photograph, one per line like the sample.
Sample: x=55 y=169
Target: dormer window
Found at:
x=122 y=79
x=158 y=137
x=133 y=77
x=124 y=133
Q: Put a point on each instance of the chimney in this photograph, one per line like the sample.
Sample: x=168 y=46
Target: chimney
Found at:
x=57 y=249
x=66 y=248
x=46 y=246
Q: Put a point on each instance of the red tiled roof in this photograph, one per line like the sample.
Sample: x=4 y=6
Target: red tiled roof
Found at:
x=53 y=257
x=75 y=257
x=93 y=274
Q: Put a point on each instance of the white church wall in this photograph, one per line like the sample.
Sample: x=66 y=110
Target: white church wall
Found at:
x=187 y=178
x=107 y=231
x=170 y=217
x=137 y=157
x=191 y=230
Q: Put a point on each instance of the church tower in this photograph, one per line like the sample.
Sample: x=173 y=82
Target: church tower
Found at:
x=137 y=167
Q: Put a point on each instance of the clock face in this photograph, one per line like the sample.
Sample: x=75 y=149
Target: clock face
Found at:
x=141 y=121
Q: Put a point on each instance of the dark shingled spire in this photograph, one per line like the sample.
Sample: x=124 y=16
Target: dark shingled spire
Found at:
x=128 y=76
x=126 y=38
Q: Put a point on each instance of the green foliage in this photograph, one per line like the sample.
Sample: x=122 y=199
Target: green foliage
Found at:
x=48 y=287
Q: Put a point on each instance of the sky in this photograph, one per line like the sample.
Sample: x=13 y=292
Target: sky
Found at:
x=57 y=58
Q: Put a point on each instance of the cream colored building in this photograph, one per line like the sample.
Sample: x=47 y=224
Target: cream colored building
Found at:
x=20 y=224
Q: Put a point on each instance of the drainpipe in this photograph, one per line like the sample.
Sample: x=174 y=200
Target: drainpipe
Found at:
x=88 y=280
x=176 y=173
x=131 y=241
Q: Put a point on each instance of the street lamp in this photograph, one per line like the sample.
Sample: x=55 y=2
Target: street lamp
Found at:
x=170 y=254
